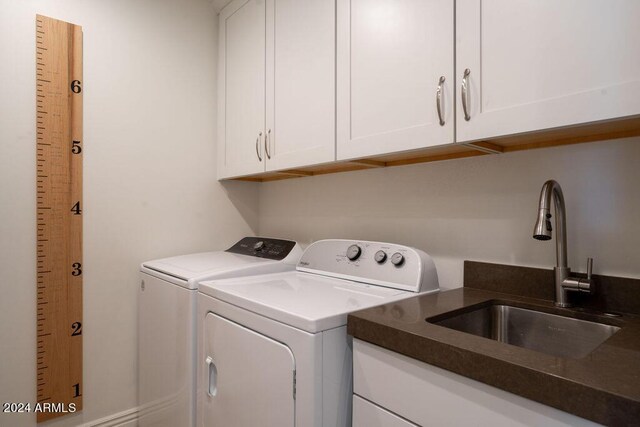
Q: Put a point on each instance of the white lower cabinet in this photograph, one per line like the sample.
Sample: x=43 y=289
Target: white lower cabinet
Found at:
x=368 y=414
x=392 y=390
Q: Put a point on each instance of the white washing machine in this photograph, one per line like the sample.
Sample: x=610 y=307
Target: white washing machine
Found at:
x=273 y=349
x=167 y=322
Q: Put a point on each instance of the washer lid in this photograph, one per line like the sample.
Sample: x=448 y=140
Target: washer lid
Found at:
x=306 y=301
x=186 y=270
x=250 y=255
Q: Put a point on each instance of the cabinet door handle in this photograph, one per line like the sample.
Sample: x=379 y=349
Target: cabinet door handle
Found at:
x=267 y=143
x=465 y=94
x=257 y=145
x=439 y=100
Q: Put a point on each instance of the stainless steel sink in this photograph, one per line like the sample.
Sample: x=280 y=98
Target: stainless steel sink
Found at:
x=535 y=330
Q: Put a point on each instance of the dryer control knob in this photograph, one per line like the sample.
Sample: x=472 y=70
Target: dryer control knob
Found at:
x=380 y=257
x=259 y=246
x=397 y=259
x=353 y=253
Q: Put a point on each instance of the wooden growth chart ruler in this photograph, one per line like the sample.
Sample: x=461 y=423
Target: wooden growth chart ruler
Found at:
x=59 y=150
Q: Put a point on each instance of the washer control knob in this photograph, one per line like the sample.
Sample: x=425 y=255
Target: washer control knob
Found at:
x=397 y=259
x=354 y=252
x=380 y=257
x=259 y=246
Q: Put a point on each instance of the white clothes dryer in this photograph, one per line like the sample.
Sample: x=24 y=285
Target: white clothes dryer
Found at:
x=273 y=350
x=167 y=322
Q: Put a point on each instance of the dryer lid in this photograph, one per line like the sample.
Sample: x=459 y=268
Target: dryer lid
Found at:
x=306 y=301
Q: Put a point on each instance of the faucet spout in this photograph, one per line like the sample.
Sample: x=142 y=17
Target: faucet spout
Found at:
x=542 y=231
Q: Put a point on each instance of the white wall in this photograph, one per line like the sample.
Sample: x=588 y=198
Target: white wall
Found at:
x=149 y=178
x=481 y=208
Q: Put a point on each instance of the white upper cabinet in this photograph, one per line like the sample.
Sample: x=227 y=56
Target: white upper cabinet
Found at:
x=307 y=82
x=392 y=56
x=540 y=64
x=241 y=89
x=277 y=85
x=300 y=83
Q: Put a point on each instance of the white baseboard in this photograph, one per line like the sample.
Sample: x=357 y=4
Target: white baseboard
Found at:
x=128 y=418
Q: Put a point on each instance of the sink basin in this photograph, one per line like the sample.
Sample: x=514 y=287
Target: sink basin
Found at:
x=535 y=330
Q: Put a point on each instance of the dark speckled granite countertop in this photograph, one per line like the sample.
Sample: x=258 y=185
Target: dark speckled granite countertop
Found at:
x=604 y=386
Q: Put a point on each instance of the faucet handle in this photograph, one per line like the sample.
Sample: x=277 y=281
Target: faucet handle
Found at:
x=587 y=285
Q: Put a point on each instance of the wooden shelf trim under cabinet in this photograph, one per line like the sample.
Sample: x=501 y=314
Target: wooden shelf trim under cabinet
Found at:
x=599 y=131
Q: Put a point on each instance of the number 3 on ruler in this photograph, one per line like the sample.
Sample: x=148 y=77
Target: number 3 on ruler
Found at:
x=77 y=269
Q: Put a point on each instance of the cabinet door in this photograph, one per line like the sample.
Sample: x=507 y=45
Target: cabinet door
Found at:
x=367 y=414
x=538 y=64
x=430 y=396
x=300 y=83
x=391 y=56
x=241 y=89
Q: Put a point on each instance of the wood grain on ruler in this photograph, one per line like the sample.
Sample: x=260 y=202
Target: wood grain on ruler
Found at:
x=59 y=154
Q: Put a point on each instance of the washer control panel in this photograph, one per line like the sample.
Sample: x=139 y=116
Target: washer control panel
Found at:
x=263 y=247
x=378 y=263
